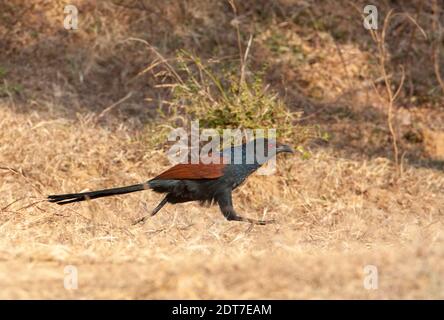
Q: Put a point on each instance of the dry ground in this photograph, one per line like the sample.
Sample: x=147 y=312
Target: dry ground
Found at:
x=334 y=217
x=336 y=213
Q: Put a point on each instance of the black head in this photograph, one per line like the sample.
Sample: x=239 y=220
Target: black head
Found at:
x=274 y=147
x=280 y=147
x=265 y=148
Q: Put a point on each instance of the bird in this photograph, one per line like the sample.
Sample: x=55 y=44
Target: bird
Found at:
x=208 y=183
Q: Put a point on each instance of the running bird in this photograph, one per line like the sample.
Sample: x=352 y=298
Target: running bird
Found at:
x=206 y=183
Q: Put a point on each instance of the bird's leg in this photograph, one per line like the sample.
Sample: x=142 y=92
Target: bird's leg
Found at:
x=231 y=215
x=155 y=210
x=160 y=205
x=226 y=206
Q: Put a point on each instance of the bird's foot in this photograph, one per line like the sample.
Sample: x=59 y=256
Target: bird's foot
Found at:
x=140 y=220
x=260 y=222
x=249 y=220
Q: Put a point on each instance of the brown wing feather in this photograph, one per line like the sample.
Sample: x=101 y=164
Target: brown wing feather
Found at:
x=197 y=171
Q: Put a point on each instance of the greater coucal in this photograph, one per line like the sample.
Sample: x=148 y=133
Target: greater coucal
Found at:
x=207 y=183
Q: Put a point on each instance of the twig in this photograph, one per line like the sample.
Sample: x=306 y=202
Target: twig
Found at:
x=115 y=104
x=436 y=44
x=382 y=53
x=31 y=205
x=344 y=65
x=242 y=79
x=13 y=202
x=239 y=43
x=165 y=61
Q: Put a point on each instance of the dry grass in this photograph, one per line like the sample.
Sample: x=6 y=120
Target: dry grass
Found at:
x=334 y=217
x=336 y=212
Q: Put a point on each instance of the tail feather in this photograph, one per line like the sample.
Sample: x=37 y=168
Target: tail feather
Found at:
x=76 y=197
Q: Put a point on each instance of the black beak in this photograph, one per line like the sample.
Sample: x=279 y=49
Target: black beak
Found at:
x=284 y=148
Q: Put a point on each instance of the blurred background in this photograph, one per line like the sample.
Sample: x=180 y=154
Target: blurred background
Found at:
x=91 y=108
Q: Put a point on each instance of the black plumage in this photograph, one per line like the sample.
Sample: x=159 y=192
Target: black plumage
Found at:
x=206 y=183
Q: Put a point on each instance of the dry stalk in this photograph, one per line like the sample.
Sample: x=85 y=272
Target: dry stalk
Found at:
x=242 y=55
x=391 y=95
x=437 y=29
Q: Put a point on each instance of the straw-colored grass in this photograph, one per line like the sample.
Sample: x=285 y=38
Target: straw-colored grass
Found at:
x=337 y=212
x=334 y=217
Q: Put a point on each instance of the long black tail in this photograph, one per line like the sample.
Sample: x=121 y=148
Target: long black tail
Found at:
x=75 y=197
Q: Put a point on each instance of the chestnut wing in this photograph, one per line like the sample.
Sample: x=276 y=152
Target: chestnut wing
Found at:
x=186 y=171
